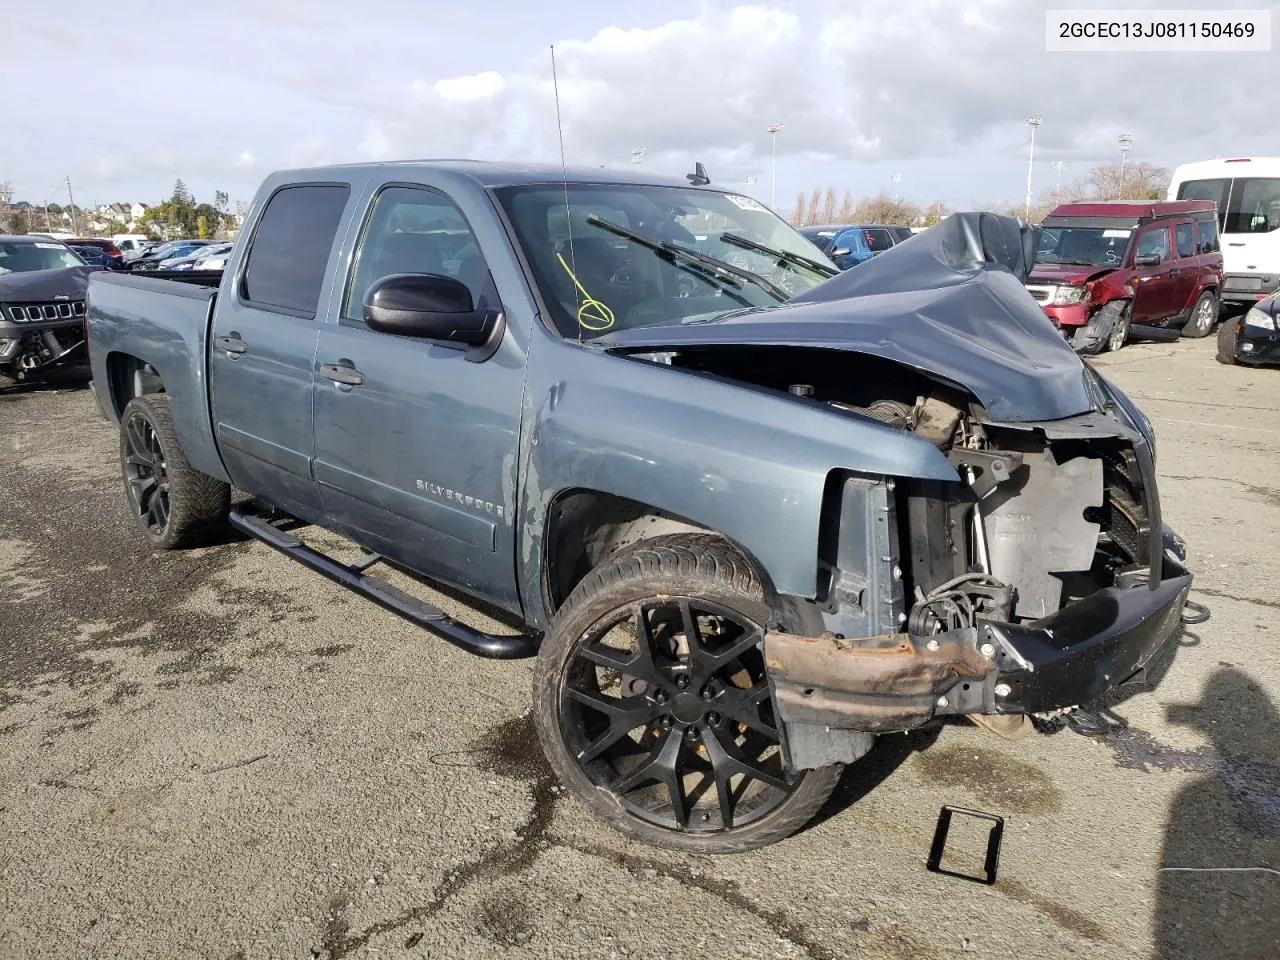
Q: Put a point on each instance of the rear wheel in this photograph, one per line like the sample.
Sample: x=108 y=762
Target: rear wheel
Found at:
x=653 y=703
x=1203 y=316
x=174 y=504
x=1227 y=339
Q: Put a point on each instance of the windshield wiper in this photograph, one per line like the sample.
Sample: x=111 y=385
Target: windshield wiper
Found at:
x=785 y=256
x=669 y=250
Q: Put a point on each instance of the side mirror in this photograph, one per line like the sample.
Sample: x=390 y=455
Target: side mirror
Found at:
x=429 y=306
x=1149 y=260
x=839 y=252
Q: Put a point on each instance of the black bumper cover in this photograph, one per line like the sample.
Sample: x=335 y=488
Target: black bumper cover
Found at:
x=1089 y=647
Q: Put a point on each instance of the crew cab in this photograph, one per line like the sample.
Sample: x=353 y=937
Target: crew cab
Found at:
x=749 y=512
x=1107 y=271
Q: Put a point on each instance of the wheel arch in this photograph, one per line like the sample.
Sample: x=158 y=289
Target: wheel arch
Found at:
x=128 y=377
x=584 y=527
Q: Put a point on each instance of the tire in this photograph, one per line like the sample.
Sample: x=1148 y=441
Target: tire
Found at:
x=1096 y=336
x=704 y=577
x=1227 y=337
x=174 y=504
x=1203 y=316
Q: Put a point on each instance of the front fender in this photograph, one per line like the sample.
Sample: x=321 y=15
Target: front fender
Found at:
x=746 y=462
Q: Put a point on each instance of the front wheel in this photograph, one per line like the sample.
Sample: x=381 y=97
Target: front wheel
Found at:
x=174 y=504
x=1203 y=316
x=1228 y=336
x=653 y=704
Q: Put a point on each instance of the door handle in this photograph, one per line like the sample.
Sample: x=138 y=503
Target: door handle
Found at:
x=231 y=344
x=341 y=374
x=1175 y=273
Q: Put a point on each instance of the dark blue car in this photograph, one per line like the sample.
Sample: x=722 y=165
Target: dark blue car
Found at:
x=851 y=244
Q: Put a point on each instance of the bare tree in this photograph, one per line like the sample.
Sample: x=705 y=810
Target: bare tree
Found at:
x=797 y=215
x=811 y=215
x=1137 y=181
x=883 y=208
x=846 y=207
x=829 y=206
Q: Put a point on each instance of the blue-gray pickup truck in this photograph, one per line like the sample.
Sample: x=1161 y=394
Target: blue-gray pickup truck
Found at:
x=751 y=511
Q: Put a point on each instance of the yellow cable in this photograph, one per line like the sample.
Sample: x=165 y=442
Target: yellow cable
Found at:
x=590 y=308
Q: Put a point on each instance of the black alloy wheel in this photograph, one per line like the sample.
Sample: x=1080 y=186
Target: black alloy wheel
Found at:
x=146 y=474
x=672 y=714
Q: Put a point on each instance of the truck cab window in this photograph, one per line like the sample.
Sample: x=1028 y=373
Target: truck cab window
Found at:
x=291 y=245
x=414 y=230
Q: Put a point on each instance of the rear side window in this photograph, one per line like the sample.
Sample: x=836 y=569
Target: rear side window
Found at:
x=1183 y=240
x=1215 y=190
x=879 y=240
x=291 y=245
x=1208 y=241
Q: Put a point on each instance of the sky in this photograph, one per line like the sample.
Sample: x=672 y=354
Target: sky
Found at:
x=125 y=98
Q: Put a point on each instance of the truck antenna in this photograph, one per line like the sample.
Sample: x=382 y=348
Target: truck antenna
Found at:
x=564 y=179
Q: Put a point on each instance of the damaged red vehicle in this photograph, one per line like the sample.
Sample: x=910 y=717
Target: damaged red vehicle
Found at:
x=1110 y=271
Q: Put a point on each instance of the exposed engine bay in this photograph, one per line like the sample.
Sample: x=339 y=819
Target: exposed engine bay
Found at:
x=928 y=588
x=27 y=355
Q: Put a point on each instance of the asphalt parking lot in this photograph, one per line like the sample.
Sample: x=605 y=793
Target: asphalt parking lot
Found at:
x=217 y=753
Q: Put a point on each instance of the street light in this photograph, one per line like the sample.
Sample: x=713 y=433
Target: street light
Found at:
x=1058 y=165
x=637 y=154
x=773 y=166
x=1032 y=122
x=750 y=181
x=897 y=179
x=1126 y=144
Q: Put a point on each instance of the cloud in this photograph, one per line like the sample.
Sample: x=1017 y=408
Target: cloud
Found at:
x=935 y=87
x=478 y=86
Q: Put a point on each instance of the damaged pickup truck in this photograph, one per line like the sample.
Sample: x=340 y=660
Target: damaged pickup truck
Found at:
x=748 y=513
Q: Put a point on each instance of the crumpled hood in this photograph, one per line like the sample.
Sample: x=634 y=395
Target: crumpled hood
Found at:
x=1065 y=272
x=38 y=286
x=949 y=302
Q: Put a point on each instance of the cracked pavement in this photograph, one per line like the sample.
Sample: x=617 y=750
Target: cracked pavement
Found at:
x=217 y=753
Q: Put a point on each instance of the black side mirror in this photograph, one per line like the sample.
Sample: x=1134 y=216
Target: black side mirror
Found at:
x=1148 y=260
x=429 y=306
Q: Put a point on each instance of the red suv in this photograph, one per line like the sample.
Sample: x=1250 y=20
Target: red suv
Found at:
x=1110 y=270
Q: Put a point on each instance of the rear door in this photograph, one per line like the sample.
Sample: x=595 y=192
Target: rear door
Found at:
x=264 y=342
x=1153 y=286
x=416 y=461
x=1186 y=265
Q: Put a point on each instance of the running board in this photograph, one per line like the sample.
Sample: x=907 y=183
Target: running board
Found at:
x=384 y=594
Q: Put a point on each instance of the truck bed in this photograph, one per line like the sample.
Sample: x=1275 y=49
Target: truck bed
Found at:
x=160 y=319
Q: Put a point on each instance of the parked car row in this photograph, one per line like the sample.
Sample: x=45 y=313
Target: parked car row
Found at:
x=851 y=244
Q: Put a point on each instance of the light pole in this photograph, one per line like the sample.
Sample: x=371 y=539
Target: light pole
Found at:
x=897 y=179
x=1032 y=122
x=1126 y=144
x=1058 y=165
x=637 y=154
x=773 y=166
x=750 y=181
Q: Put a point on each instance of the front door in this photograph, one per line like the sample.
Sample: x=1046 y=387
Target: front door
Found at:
x=417 y=460
x=263 y=346
x=1154 y=285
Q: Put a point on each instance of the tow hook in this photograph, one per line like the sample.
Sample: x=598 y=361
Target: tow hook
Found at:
x=1193 y=613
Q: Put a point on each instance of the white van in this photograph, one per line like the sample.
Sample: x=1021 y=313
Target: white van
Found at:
x=130 y=244
x=1247 y=191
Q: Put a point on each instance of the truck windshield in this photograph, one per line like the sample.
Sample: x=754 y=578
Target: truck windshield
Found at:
x=1087 y=246
x=595 y=280
x=26 y=257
